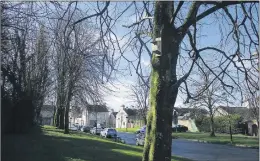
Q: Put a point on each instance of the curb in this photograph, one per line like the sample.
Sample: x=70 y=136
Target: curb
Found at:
x=235 y=145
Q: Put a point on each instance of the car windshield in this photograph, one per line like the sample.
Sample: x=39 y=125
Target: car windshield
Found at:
x=111 y=130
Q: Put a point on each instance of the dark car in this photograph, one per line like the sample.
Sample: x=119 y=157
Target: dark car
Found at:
x=180 y=128
x=85 y=129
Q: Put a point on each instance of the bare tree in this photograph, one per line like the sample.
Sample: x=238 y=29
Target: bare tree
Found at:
x=82 y=65
x=253 y=102
x=209 y=98
x=24 y=64
x=173 y=28
x=140 y=94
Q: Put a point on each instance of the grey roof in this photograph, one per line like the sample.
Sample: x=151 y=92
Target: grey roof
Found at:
x=114 y=113
x=97 y=108
x=192 y=111
x=131 y=111
x=242 y=111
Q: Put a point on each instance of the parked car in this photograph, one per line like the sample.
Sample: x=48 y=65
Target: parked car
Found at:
x=141 y=130
x=180 y=128
x=108 y=133
x=85 y=128
x=73 y=127
x=95 y=131
x=140 y=139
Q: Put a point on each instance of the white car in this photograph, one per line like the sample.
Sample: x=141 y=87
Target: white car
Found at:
x=73 y=128
x=95 y=131
x=108 y=133
x=140 y=139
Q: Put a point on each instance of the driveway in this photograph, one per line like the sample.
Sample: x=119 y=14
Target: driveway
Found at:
x=204 y=152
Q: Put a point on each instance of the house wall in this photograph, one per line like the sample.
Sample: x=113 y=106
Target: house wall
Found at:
x=220 y=112
x=89 y=118
x=190 y=124
x=46 y=118
x=121 y=120
x=100 y=117
x=111 y=121
x=130 y=122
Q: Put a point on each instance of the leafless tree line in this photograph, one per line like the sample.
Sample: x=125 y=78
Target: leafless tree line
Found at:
x=43 y=55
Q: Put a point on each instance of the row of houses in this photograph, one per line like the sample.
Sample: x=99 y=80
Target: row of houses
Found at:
x=97 y=114
x=127 y=117
x=186 y=116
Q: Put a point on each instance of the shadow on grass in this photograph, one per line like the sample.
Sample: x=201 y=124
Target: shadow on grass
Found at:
x=40 y=147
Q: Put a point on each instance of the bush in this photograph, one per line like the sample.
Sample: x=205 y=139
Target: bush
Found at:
x=221 y=123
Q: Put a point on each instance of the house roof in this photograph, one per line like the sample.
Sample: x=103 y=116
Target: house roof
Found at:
x=242 y=111
x=192 y=111
x=97 y=108
x=114 y=113
x=131 y=112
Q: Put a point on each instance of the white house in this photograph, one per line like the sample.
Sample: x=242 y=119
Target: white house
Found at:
x=91 y=115
x=46 y=114
x=128 y=118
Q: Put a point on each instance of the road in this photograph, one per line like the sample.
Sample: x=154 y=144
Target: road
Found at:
x=204 y=152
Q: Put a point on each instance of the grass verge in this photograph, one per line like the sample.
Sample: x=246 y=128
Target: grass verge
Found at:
x=238 y=139
x=50 y=144
x=130 y=130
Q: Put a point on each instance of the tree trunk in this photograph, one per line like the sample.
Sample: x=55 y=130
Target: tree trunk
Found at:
x=145 y=120
x=212 y=128
x=67 y=109
x=66 y=130
x=61 y=118
x=158 y=139
x=54 y=118
x=57 y=117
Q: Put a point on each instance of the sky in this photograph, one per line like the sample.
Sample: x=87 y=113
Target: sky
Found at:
x=210 y=36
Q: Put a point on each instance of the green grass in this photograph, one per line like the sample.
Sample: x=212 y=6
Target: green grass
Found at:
x=238 y=139
x=131 y=130
x=49 y=144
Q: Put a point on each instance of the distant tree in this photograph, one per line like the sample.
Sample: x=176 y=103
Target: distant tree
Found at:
x=209 y=95
x=140 y=95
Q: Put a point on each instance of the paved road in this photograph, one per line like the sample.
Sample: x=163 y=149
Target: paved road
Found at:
x=205 y=152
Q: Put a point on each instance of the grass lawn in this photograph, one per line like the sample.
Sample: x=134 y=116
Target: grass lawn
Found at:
x=220 y=138
x=49 y=144
x=238 y=139
x=131 y=130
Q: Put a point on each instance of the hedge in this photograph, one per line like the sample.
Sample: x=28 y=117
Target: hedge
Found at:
x=221 y=123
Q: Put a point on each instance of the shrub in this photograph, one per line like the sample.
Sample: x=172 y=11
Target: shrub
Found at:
x=221 y=123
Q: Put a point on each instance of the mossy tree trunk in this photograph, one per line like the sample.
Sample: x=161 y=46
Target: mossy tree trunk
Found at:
x=162 y=93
